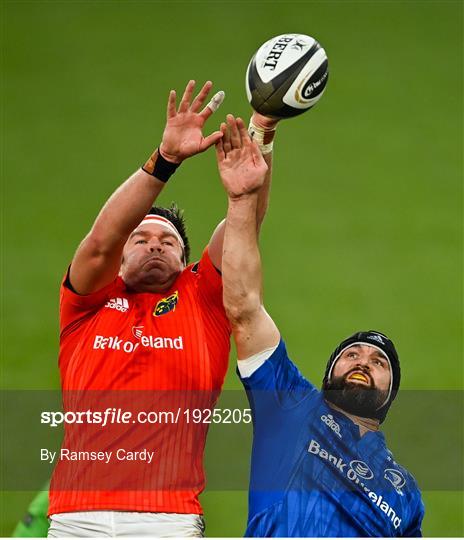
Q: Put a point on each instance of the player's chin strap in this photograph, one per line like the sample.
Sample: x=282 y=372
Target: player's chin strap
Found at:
x=264 y=137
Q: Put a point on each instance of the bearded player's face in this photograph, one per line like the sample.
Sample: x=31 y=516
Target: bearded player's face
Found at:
x=360 y=380
x=152 y=258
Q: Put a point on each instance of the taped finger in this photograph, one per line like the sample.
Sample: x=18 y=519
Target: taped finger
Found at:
x=213 y=105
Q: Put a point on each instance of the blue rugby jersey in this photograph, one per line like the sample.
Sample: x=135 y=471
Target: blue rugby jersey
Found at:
x=312 y=474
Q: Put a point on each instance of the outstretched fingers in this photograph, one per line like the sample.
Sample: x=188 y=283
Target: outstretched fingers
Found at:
x=246 y=141
x=220 y=154
x=185 y=101
x=257 y=155
x=171 y=110
x=210 y=140
x=234 y=133
x=200 y=99
x=226 y=138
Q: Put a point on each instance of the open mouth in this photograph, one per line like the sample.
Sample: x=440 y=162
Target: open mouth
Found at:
x=358 y=377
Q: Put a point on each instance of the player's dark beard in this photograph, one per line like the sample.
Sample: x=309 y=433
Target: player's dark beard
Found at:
x=354 y=398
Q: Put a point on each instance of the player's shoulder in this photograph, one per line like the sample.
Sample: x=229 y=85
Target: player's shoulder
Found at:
x=264 y=363
x=281 y=360
x=192 y=270
x=189 y=276
x=279 y=373
x=192 y=280
x=205 y=277
x=204 y=263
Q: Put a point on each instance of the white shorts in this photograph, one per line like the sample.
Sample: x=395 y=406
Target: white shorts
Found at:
x=109 y=523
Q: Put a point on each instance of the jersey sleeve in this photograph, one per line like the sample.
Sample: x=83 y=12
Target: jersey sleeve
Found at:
x=74 y=307
x=281 y=400
x=277 y=383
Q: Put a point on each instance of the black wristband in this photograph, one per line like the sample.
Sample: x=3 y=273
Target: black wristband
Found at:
x=160 y=168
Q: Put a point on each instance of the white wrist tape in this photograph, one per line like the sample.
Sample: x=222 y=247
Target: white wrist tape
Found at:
x=264 y=138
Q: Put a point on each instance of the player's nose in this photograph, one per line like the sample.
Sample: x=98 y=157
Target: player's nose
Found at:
x=363 y=360
x=155 y=245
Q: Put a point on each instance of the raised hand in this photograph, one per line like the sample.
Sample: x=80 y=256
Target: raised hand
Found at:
x=241 y=165
x=183 y=134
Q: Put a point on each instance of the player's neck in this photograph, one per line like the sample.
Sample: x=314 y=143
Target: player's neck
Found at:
x=365 y=424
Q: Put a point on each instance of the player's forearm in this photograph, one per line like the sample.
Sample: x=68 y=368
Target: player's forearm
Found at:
x=262 y=129
x=98 y=258
x=241 y=262
x=215 y=246
x=264 y=192
x=124 y=210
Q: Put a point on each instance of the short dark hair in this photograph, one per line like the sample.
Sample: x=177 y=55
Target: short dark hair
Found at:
x=176 y=217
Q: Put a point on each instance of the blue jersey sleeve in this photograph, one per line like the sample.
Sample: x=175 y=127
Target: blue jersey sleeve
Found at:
x=281 y=400
x=280 y=376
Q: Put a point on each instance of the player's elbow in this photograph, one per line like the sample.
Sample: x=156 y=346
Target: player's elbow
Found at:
x=240 y=309
x=98 y=245
x=93 y=244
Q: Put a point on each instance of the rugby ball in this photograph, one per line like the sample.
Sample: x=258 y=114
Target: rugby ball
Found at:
x=287 y=75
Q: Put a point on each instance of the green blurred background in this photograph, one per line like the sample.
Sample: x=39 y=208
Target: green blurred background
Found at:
x=365 y=224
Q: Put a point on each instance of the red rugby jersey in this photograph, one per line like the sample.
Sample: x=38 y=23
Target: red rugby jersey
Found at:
x=139 y=352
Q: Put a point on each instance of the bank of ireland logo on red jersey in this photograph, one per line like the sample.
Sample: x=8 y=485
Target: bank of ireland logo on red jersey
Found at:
x=137 y=331
x=165 y=305
x=119 y=304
